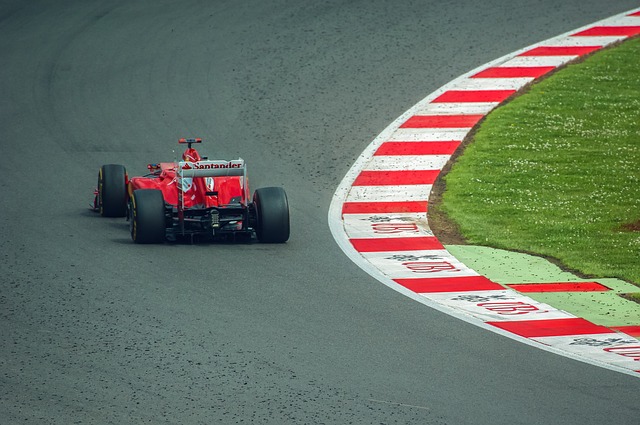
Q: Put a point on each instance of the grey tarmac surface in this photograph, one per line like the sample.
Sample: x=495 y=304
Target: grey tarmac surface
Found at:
x=96 y=330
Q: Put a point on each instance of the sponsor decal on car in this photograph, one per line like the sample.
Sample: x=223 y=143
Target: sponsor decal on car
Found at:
x=208 y=165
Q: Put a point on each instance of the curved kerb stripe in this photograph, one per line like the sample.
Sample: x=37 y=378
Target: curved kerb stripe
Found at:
x=378 y=213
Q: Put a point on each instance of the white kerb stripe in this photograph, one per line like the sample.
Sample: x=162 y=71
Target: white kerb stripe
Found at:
x=539 y=61
x=584 y=41
x=375 y=225
x=498 y=306
x=384 y=227
x=407 y=162
x=400 y=193
x=616 y=343
x=625 y=21
x=418 y=264
x=453 y=108
x=492 y=83
x=428 y=134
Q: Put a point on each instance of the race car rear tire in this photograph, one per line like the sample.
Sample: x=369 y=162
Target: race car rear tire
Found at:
x=112 y=190
x=272 y=214
x=147 y=221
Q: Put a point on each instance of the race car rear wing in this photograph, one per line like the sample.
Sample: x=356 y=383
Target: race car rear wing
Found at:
x=212 y=168
x=207 y=168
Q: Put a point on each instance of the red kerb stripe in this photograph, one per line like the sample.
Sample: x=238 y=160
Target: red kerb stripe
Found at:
x=449 y=284
x=514 y=72
x=393 y=178
x=474 y=96
x=551 y=327
x=396 y=244
x=627 y=31
x=383 y=207
x=442 y=121
x=629 y=330
x=561 y=51
x=417 y=148
x=559 y=287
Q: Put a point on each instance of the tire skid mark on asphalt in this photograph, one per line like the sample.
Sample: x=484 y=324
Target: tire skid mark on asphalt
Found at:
x=378 y=213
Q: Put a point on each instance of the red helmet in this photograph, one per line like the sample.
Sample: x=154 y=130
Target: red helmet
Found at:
x=191 y=155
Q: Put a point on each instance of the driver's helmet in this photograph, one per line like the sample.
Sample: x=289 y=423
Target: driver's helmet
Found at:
x=191 y=155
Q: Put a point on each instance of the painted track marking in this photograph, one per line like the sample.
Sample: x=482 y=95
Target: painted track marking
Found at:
x=378 y=212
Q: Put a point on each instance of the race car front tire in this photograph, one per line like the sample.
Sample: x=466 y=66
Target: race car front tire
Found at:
x=272 y=211
x=112 y=190
x=147 y=221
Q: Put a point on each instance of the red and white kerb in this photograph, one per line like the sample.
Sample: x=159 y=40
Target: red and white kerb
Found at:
x=378 y=214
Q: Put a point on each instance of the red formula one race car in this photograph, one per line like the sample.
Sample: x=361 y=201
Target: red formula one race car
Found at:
x=195 y=198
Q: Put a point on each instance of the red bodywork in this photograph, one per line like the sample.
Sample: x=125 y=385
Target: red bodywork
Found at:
x=197 y=192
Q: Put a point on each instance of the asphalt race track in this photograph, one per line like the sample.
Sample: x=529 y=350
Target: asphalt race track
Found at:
x=97 y=330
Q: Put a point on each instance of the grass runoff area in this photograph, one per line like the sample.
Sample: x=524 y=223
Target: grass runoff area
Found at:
x=556 y=171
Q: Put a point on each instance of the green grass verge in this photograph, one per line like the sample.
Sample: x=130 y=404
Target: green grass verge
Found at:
x=556 y=171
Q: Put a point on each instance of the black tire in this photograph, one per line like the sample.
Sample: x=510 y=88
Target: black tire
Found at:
x=112 y=191
x=147 y=221
x=272 y=214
